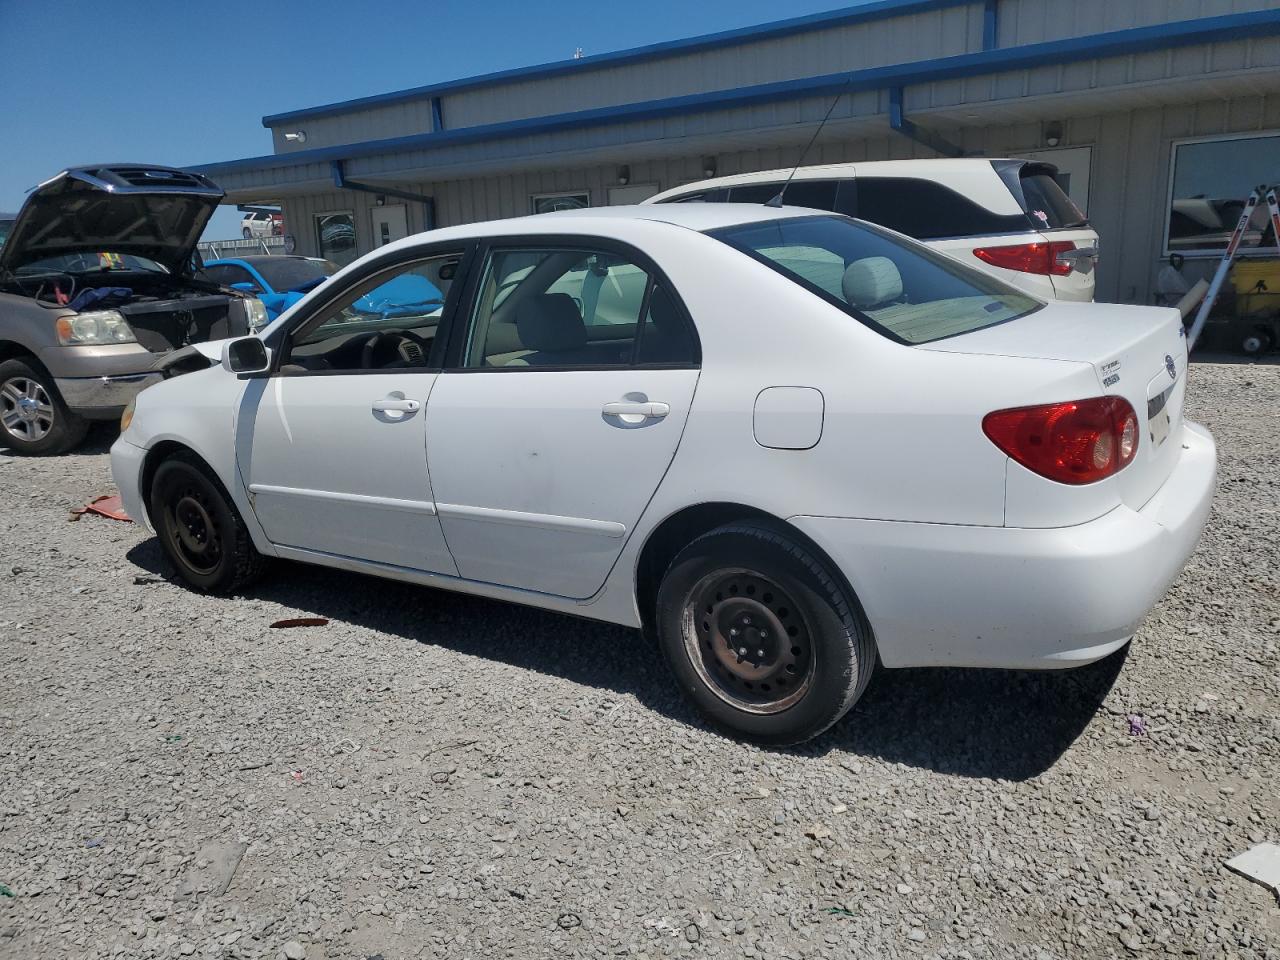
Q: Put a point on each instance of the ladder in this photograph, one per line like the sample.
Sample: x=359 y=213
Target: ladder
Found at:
x=1224 y=267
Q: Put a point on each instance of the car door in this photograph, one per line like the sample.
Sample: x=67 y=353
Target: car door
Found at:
x=560 y=412
x=332 y=445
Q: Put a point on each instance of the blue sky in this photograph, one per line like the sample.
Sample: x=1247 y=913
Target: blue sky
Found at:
x=184 y=83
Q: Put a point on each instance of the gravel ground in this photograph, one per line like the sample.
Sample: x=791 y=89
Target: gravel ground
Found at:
x=432 y=775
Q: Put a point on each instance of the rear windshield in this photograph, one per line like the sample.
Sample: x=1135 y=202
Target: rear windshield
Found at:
x=285 y=273
x=1047 y=203
x=901 y=289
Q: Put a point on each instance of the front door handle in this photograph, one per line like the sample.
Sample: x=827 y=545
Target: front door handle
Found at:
x=649 y=409
x=396 y=405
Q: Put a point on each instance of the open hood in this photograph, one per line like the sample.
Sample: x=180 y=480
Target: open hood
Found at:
x=153 y=212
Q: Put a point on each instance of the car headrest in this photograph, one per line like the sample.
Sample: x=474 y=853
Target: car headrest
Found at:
x=550 y=321
x=871 y=281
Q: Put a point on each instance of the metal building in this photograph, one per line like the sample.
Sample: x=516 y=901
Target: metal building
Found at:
x=1161 y=115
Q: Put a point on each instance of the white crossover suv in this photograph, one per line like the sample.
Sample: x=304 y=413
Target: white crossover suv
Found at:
x=1007 y=217
x=783 y=442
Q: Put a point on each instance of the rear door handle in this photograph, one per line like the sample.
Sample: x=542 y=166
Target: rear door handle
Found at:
x=650 y=409
x=396 y=405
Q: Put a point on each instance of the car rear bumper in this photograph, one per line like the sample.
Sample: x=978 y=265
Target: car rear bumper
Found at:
x=127 y=461
x=1020 y=598
x=103 y=398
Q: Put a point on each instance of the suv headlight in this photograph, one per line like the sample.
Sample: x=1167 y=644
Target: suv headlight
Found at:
x=94 y=327
x=256 y=312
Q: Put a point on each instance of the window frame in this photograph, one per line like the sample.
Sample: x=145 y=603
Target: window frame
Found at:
x=464 y=318
x=1166 y=220
x=281 y=338
x=535 y=197
x=319 y=216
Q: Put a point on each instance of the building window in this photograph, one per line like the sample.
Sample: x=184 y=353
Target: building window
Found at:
x=336 y=237
x=551 y=202
x=1209 y=185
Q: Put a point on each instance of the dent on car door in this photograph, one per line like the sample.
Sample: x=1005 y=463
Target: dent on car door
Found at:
x=560 y=415
x=331 y=445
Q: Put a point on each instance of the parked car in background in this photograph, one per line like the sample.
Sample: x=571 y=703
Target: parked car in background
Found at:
x=1007 y=217
x=278 y=281
x=96 y=279
x=258 y=224
x=787 y=443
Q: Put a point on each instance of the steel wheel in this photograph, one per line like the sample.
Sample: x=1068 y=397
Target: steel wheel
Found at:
x=193 y=532
x=26 y=411
x=748 y=641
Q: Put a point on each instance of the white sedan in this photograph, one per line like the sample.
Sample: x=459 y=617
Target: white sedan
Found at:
x=785 y=444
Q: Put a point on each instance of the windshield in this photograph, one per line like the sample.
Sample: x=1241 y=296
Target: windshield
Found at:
x=286 y=273
x=77 y=263
x=901 y=289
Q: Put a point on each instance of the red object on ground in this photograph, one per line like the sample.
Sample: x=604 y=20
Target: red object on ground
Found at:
x=108 y=506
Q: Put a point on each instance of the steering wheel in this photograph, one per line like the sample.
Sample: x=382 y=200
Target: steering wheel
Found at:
x=377 y=342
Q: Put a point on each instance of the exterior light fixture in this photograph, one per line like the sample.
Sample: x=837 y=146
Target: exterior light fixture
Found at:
x=708 y=166
x=296 y=136
x=1053 y=134
x=624 y=175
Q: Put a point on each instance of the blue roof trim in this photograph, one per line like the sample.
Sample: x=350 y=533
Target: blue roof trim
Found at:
x=1117 y=43
x=878 y=10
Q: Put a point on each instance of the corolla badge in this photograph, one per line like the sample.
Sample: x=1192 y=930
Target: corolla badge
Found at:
x=1171 y=366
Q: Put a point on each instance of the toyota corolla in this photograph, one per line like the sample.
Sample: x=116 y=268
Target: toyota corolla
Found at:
x=787 y=445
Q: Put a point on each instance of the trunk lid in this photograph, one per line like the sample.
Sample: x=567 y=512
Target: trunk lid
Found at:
x=143 y=211
x=1139 y=353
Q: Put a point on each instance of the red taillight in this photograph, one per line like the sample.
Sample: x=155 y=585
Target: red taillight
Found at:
x=1041 y=258
x=1080 y=441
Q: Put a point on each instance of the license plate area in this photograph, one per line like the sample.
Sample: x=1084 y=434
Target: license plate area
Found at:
x=1158 y=421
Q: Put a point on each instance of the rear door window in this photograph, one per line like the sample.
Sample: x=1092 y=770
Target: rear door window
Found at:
x=929 y=211
x=818 y=194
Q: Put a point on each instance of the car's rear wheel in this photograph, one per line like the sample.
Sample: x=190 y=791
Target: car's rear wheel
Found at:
x=761 y=636
x=199 y=528
x=247 y=233
x=34 y=420
x=1256 y=342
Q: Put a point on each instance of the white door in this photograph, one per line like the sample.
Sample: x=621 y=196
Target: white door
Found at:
x=333 y=445
x=550 y=440
x=632 y=193
x=390 y=223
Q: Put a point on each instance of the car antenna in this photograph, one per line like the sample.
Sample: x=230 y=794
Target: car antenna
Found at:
x=777 y=201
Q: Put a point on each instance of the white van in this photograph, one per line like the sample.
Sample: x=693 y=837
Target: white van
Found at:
x=1008 y=217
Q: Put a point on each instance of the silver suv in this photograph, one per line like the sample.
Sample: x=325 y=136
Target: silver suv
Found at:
x=99 y=276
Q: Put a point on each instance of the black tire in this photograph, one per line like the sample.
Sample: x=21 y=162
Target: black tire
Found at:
x=1256 y=342
x=247 y=233
x=34 y=419
x=816 y=650
x=199 y=528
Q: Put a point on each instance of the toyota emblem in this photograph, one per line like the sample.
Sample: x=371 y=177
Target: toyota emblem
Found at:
x=1171 y=366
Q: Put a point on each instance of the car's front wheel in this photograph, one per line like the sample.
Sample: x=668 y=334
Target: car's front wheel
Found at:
x=761 y=636
x=34 y=420
x=199 y=528
x=247 y=233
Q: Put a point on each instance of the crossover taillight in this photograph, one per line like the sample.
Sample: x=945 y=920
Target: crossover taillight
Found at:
x=1080 y=441
x=1046 y=259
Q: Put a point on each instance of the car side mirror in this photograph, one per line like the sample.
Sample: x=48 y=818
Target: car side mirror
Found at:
x=245 y=355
